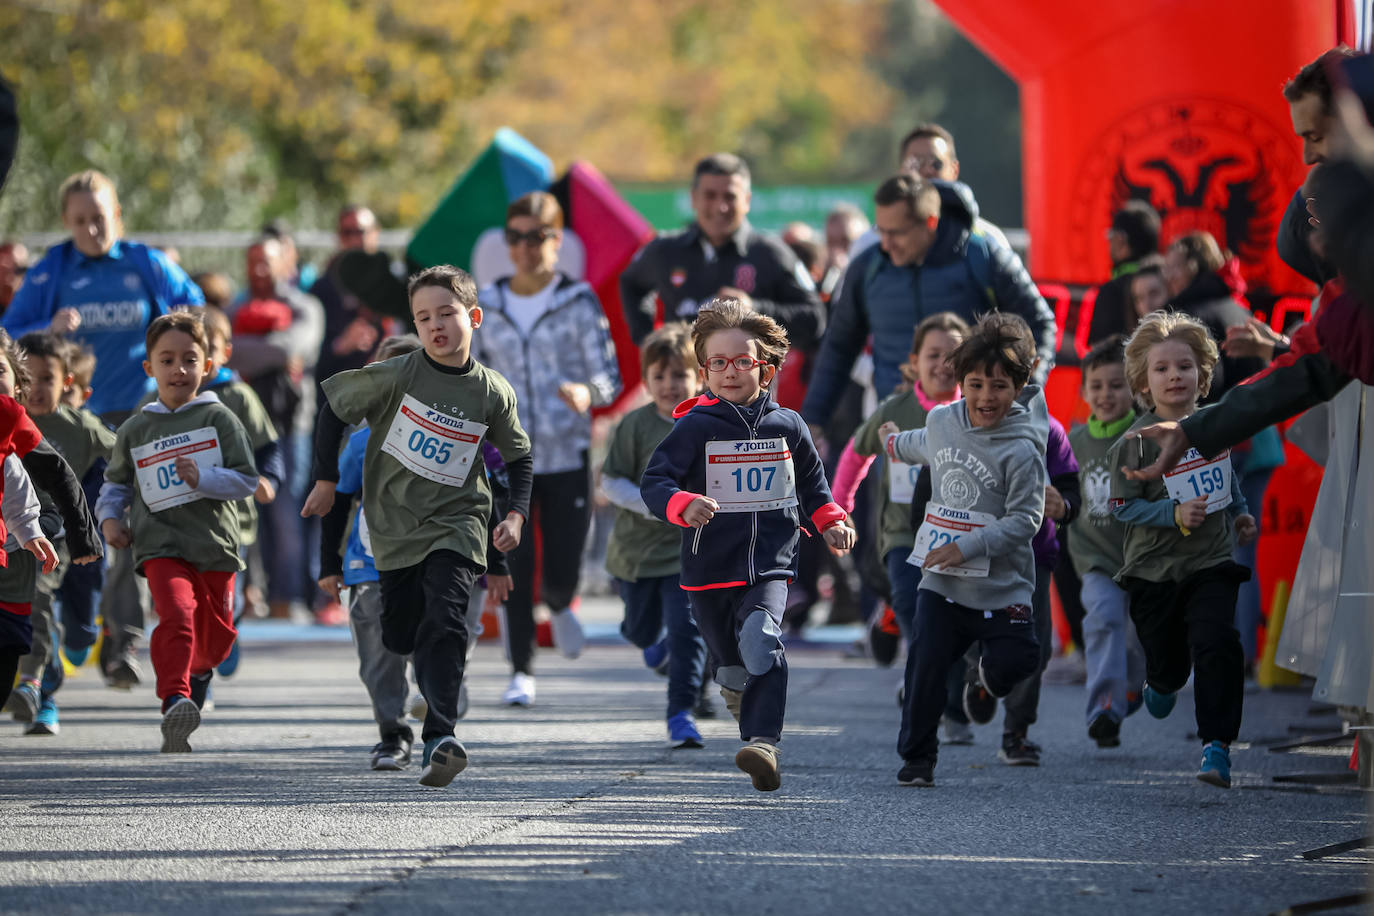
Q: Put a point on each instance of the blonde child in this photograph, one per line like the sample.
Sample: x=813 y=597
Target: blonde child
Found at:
x=1180 y=532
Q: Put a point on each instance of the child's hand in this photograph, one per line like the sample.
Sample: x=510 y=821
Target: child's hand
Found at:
x=320 y=500
x=265 y=492
x=700 y=511
x=506 y=536
x=576 y=396
x=330 y=585
x=1055 y=507
x=888 y=429
x=944 y=556
x=498 y=590
x=840 y=537
x=117 y=534
x=189 y=471
x=1246 y=530
x=1192 y=513
x=42 y=548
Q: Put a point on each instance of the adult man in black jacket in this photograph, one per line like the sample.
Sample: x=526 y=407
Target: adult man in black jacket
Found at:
x=720 y=254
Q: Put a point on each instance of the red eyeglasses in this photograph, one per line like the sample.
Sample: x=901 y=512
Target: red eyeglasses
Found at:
x=744 y=362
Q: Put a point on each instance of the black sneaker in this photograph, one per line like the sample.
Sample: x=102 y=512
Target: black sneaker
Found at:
x=200 y=687
x=392 y=752
x=1016 y=751
x=1105 y=730
x=920 y=773
x=979 y=704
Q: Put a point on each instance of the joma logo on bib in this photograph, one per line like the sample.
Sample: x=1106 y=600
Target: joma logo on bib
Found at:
x=443 y=419
x=171 y=442
x=755 y=445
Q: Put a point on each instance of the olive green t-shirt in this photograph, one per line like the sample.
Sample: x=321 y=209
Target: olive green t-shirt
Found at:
x=639 y=548
x=79 y=436
x=1096 y=537
x=204 y=533
x=424 y=480
x=904 y=409
x=1152 y=552
x=246 y=405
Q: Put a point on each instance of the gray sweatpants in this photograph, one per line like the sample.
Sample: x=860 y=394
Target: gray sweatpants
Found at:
x=382 y=671
x=1115 y=660
x=123 y=600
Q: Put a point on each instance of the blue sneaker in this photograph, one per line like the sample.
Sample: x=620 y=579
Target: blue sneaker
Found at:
x=1216 y=765
x=77 y=656
x=444 y=759
x=45 y=720
x=682 y=730
x=24 y=701
x=656 y=657
x=1159 y=704
x=230 y=664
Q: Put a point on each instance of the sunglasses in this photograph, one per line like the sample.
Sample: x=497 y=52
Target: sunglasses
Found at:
x=916 y=163
x=533 y=237
x=742 y=362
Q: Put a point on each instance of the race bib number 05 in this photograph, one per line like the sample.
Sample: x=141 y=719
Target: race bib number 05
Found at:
x=1195 y=477
x=943 y=525
x=750 y=475
x=155 y=466
x=901 y=482
x=432 y=444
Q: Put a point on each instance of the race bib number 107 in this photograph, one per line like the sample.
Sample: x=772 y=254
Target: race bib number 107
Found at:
x=432 y=444
x=155 y=466
x=750 y=475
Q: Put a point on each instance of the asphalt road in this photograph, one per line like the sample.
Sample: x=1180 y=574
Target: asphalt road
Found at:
x=576 y=806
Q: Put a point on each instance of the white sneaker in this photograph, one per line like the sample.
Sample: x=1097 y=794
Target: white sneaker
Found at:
x=567 y=633
x=419 y=707
x=520 y=691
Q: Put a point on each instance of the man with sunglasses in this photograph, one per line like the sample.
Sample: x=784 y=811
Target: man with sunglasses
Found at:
x=721 y=255
x=14 y=260
x=351 y=331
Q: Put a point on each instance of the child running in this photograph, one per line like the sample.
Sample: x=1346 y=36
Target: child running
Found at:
x=643 y=552
x=1115 y=661
x=179 y=465
x=425 y=494
x=735 y=468
x=986 y=454
x=1180 y=532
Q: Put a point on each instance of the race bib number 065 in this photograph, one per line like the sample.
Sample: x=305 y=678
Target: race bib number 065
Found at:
x=432 y=444
x=156 y=471
x=1195 y=477
x=750 y=475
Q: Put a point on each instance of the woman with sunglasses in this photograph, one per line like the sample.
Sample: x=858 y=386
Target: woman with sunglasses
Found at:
x=546 y=333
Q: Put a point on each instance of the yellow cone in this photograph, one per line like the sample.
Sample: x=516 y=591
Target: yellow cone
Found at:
x=1269 y=674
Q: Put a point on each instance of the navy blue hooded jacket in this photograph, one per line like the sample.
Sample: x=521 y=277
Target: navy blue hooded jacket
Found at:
x=735 y=548
x=965 y=272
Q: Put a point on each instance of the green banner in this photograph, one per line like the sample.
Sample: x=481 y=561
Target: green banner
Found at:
x=770 y=207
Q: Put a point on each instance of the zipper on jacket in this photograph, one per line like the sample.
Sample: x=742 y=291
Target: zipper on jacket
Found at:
x=696 y=540
x=753 y=516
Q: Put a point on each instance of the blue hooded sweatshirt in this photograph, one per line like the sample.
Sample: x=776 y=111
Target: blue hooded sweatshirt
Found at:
x=118 y=296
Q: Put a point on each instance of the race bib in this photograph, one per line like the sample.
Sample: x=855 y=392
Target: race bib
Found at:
x=1195 y=476
x=943 y=525
x=432 y=444
x=901 y=481
x=750 y=475
x=155 y=466
x=364 y=534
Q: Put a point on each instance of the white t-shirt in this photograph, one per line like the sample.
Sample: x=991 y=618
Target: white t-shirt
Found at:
x=525 y=310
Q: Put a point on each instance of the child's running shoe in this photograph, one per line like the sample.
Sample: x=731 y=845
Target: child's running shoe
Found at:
x=760 y=760
x=1105 y=730
x=656 y=657
x=704 y=709
x=682 y=731
x=884 y=637
x=920 y=773
x=952 y=731
x=419 y=707
x=1216 y=765
x=392 y=752
x=1159 y=704
x=520 y=691
x=124 y=674
x=180 y=717
x=77 y=657
x=45 y=720
x=230 y=664
x=1016 y=751
x=24 y=701
x=979 y=704
x=567 y=633
x=444 y=759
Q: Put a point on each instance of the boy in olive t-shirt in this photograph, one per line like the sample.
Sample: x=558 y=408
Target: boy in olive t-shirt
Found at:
x=179 y=465
x=425 y=492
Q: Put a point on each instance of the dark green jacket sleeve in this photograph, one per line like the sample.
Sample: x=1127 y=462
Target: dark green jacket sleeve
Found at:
x=1286 y=390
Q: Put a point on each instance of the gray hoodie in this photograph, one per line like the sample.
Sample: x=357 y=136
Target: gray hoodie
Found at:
x=997 y=472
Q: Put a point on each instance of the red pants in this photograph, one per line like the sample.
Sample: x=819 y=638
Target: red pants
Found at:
x=195 y=622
